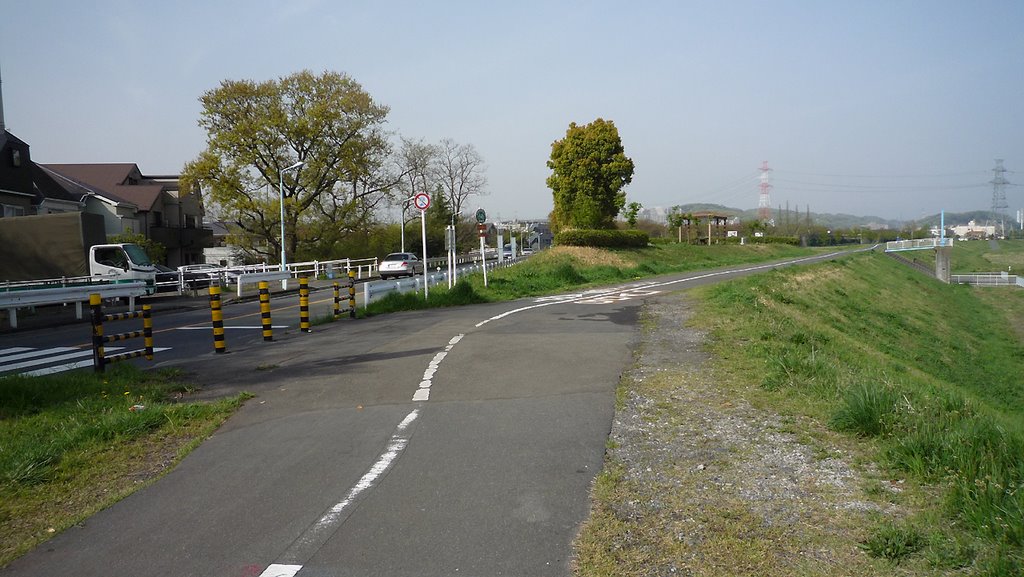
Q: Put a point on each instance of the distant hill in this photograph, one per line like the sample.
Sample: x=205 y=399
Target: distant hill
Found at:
x=839 y=220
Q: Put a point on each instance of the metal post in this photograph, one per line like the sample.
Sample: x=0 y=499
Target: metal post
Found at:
x=219 y=346
x=268 y=331
x=284 y=283
x=351 y=294
x=337 y=298
x=483 y=258
x=147 y=330
x=423 y=225
x=304 y=304
x=97 y=331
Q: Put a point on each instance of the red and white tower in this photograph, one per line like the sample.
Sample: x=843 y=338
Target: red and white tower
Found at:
x=764 y=210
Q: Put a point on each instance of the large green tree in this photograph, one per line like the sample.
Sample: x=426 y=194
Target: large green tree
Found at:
x=589 y=169
x=258 y=129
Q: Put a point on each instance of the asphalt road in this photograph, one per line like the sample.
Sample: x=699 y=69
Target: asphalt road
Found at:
x=446 y=442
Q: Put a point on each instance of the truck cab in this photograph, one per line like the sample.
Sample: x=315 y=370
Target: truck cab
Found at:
x=121 y=262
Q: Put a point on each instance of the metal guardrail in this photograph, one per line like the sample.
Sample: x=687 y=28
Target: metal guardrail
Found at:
x=987 y=279
x=376 y=290
x=917 y=244
x=13 y=300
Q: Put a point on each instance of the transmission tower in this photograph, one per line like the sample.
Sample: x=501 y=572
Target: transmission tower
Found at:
x=999 y=183
x=764 y=211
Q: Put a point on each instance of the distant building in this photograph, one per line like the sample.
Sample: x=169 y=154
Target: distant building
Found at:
x=129 y=201
x=972 y=230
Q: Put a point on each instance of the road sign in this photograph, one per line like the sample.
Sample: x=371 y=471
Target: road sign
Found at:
x=481 y=216
x=421 y=200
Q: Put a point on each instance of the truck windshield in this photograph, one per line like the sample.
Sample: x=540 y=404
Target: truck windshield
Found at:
x=137 y=255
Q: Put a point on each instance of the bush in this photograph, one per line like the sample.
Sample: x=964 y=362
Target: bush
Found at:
x=603 y=238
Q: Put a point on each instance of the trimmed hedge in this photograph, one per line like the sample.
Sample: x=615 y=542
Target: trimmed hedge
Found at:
x=603 y=238
x=791 y=240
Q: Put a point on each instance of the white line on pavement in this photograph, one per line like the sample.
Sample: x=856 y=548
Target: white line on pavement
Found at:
x=318 y=534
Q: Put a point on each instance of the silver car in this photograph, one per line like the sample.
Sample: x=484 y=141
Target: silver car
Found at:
x=399 y=264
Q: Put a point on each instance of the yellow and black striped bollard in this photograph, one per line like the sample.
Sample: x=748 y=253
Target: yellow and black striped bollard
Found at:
x=337 y=300
x=268 y=331
x=147 y=330
x=219 y=346
x=304 y=304
x=97 y=331
x=351 y=294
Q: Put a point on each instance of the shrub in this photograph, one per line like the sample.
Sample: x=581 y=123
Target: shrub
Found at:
x=603 y=238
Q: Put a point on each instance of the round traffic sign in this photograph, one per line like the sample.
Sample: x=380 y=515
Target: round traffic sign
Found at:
x=481 y=216
x=422 y=201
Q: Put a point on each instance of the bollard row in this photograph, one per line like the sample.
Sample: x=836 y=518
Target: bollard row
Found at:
x=217 y=317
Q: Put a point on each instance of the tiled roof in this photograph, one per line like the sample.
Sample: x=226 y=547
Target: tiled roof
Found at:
x=110 y=180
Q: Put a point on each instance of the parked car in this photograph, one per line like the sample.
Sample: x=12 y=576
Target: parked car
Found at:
x=399 y=264
x=202 y=275
x=167 y=279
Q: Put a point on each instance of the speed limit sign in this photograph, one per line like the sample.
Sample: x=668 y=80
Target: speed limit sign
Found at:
x=422 y=201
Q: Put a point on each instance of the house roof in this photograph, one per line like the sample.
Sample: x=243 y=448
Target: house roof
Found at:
x=117 y=181
x=47 y=187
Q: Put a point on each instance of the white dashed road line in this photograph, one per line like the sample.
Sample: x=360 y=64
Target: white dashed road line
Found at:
x=309 y=542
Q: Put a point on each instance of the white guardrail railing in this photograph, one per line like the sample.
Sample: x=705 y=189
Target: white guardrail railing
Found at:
x=917 y=244
x=987 y=279
x=12 y=299
x=250 y=275
x=376 y=290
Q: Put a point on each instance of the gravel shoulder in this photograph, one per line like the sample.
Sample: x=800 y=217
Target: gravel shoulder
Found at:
x=698 y=481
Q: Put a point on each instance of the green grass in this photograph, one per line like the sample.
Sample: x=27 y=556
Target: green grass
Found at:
x=74 y=443
x=979 y=256
x=564 y=269
x=929 y=372
x=894 y=542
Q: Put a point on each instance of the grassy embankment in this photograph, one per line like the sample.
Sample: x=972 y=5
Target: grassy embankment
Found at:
x=563 y=269
x=74 y=443
x=978 y=256
x=922 y=377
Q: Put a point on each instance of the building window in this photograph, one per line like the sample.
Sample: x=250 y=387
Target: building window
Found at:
x=15 y=157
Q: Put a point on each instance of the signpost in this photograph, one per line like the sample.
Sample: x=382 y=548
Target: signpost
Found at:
x=422 y=202
x=449 y=243
x=481 y=218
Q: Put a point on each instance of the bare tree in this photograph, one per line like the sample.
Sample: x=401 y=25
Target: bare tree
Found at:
x=459 y=169
x=415 y=160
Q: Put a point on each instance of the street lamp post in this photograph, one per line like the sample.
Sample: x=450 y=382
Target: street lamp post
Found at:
x=280 y=188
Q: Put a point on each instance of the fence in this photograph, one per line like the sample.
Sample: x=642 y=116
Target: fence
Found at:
x=917 y=244
x=30 y=296
x=376 y=290
x=987 y=279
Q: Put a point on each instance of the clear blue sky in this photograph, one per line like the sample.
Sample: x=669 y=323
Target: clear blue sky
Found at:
x=889 y=108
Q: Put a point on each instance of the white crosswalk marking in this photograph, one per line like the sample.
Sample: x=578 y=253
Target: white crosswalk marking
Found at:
x=16 y=360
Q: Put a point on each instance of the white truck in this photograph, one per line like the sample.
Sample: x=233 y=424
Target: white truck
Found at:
x=121 y=262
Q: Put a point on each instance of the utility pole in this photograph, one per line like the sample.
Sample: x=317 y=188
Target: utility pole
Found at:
x=999 y=205
x=764 y=211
